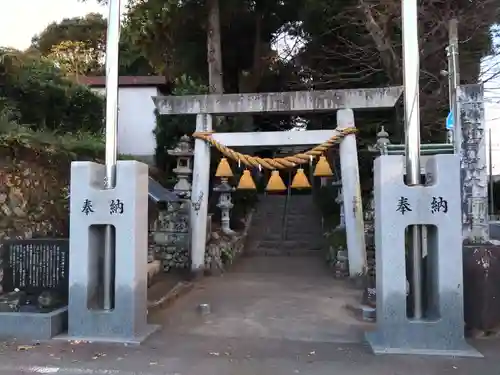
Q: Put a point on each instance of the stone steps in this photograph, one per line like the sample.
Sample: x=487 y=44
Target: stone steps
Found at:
x=289 y=245
x=303 y=234
x=281 y=252
x=310 y=223
x=302 y=228
x=292 y=236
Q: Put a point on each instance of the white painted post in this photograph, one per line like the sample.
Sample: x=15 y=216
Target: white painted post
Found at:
x=199 y=195
x=351 y=191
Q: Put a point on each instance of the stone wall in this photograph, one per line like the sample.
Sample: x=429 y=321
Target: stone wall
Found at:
x=33 y=193
x=170 y=236
x=170 y=241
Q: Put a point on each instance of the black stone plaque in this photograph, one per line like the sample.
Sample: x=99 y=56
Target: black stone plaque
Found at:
x=35 y=266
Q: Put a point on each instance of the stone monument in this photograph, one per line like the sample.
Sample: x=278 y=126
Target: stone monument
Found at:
x=440 y=331
x=91 y=209
x=33 y=288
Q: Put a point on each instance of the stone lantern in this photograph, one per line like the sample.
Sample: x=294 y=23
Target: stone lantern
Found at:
x=224 y=189
x=382 y=141
x=184 y=154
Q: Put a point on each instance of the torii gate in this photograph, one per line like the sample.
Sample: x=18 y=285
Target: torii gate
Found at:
x=343 y=101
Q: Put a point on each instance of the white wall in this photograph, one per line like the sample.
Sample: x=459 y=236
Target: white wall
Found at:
x=136 y=120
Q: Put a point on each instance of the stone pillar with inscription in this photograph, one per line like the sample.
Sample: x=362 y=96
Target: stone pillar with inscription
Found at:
x=351 y=194
x=126 y=209
x=474 y=177
x=199 y=196
x=437 y=206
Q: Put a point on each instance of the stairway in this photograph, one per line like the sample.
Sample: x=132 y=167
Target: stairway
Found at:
x=285 y=229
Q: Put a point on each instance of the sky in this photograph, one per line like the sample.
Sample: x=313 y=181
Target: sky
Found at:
x=20 y=20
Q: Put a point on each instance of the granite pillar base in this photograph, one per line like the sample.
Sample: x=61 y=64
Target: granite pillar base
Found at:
x=126 y=209
x=437 y=206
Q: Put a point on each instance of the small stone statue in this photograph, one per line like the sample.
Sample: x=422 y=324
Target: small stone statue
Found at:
x=341 y=267
x=12 y=301
x=48 y=299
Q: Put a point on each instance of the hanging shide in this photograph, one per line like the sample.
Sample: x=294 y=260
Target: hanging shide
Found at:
x=276 y=163
x=323 y=168
x=246 y=181
x=275 y=183
x=300 y=180
x=224 y=169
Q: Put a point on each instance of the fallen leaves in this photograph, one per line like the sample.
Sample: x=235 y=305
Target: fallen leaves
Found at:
x=22 y=348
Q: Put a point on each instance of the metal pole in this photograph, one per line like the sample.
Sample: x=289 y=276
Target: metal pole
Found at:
x=112 y=52
x=411 y=67
x=454 y=82
x=449 y=134
x=492 y=197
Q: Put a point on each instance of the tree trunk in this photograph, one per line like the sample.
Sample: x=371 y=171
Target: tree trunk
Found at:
x=214 y=49
x=377 y=28
x=249 y=81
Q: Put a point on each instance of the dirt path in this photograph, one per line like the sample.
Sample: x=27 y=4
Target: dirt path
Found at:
x=269 y=316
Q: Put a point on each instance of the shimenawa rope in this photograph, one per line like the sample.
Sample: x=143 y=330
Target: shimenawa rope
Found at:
x=275 y=163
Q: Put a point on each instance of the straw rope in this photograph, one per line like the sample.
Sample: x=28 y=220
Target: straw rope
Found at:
x=275 y=163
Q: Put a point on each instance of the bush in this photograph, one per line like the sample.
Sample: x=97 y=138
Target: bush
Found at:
x=44 y=99
x=13 y=134
x=325 y=199
x=85 y=110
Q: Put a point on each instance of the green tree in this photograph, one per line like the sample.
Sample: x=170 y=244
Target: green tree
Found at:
x=75 y=36
x=177 y=37
x=358 y=43
x=78 y=45
x=344 y=44
x=75 y=58
x=42 y=97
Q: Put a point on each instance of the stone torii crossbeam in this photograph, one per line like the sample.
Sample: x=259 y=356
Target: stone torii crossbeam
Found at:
x=295 y=102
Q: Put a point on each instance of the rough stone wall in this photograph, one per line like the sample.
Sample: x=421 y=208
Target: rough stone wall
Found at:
x=170 y=242
x=33 y=194
x=34 y=191
x=170 y=236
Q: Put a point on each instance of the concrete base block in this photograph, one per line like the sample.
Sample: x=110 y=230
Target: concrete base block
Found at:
x=419 y=344
x=35 y=326
x=136 y=339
